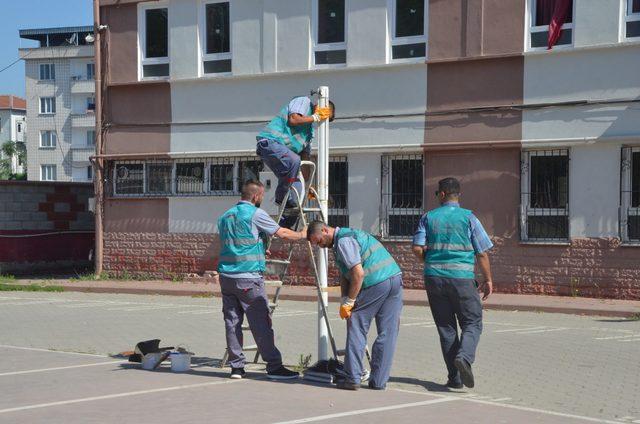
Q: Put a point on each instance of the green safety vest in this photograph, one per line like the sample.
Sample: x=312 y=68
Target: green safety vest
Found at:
x=377 y=263
x=240 y=250
x=450 y=253
x=295 y=138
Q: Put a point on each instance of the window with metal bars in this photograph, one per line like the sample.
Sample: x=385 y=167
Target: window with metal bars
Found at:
x=545 y=195
x=630 y=195
x=402 y=195
x=338 y=191
x=213 y=176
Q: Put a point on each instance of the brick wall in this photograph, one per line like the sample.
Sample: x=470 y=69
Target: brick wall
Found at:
x=45 y=226
x=165 y=255
x=588 y=267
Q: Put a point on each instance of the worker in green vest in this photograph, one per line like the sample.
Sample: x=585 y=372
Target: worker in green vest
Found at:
x=451 y=240
x=286 y=141
x=371 y=285
x=241 y=265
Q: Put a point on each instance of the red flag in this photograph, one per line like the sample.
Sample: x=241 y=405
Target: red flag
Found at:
x=560 y=14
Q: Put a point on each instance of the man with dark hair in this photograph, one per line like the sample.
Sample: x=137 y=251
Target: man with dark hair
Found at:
x=449 y=239
x=371 y=285
x=241 y=264
x=286 y=140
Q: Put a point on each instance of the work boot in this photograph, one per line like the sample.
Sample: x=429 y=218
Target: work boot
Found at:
x=372 y=387
x=346 y=385
x=282 y=373
x=466 y=375
x=454 y=384
x=237 y=373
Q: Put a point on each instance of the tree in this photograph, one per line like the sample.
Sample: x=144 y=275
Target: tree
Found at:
x=10 y=149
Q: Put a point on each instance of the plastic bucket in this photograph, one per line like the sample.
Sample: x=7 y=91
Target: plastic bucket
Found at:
x=150 y=360
x=180 y=362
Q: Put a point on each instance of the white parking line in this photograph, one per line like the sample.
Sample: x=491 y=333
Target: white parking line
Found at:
x=60 y=368
x=35 y=349
x=412 y=324
x=368 y=411
x=520 y=329
x=629 y=340
x=617 y=337
x=198 y=312
x=543 y=331
x=116 y=395
x=31 y=302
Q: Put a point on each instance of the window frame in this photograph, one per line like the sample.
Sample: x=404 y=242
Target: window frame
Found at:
x=323 y=47
x=339 y=212
x=93 y=144
x=625 y=17
x=54 y=172
x=400 y=41
x=90 y=75
x=626 y=193
x=530 y=28
x=525 y=187
x=89 y=173
x=52 y=71
x=142 y=40
x=202 y=38
x=53 y=139
x=386 y=200
x=52 y=108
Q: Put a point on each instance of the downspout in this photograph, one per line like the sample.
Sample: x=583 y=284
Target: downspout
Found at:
x=99 y=161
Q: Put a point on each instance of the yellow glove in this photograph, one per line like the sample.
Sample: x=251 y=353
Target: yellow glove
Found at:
x=346 y=307
x=321 y=114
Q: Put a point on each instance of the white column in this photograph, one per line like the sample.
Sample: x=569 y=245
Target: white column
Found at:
x=323 y=194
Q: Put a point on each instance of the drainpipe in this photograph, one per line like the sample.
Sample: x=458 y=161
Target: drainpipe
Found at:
x=99 y=162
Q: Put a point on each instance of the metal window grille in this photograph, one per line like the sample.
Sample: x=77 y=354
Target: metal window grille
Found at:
x=338 y=191
x=544 y=200
x=630 y=195
x=402 y=195
x=203 y=176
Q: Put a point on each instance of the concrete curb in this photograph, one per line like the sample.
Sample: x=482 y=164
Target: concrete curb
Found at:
x=502 y=302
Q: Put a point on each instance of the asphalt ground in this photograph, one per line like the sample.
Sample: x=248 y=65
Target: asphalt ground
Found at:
x=531 y=367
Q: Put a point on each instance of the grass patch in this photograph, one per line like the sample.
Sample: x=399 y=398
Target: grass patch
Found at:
x=303 y=363
x=634 y=317
x=6 y=278
x=30 y=288
x=202 y=295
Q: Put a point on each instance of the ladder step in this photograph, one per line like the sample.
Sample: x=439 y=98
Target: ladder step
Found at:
x=245 y=327
x=307 y=210
x=273 y=283
x=341 y=352
x=250 y=347
x=278 y=262
x=273 y=305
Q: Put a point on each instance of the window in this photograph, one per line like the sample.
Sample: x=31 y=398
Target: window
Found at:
x=190 y=177
x=402 y=195
x=216 y=38
x=221 y=178
x=541 y=14
x=91 y=138
x=91 y=71
x=47 y=72
x=153 y=27
x=632 y=19
x=47 y=173
x=47 y=105
x=338 y=191
x=330 y=47
x=545 y=195
x=408 y=29
x=630 y=195
x=91 y=104
x=159 y=176
x=48 y=139
x=89 y=173
x=129 y=178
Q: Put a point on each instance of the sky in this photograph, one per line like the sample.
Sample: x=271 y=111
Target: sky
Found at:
x=25 y=14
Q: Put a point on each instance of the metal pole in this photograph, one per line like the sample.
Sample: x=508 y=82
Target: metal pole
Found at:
x=98 y=254
x=323 y=194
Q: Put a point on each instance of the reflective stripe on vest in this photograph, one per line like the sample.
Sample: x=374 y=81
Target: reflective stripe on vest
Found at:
x=279 y=130
x=377 y=263
x=240 y=250
x=450 y=253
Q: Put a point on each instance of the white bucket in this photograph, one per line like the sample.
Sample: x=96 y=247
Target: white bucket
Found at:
x=150 y=360
x=180 y=362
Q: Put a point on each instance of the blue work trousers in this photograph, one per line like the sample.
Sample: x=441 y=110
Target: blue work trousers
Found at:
x=285 y=164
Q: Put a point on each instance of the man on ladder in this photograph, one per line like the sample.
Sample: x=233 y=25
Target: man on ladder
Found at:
x=241 y=265
x=285 y=141
x=371 y=286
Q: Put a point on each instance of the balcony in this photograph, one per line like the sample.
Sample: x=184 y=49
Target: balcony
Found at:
x=82 y=86
x=85 y=120
x=82 y=153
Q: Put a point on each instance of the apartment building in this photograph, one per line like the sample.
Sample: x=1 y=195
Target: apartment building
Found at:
x=545 y=141
x=12 y=126
x=60 y=90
